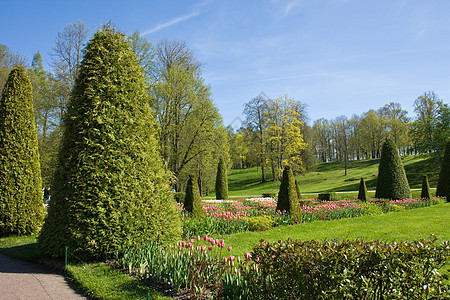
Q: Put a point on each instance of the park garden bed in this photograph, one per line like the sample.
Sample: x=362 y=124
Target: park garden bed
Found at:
x=203 y=266
x=228 y=217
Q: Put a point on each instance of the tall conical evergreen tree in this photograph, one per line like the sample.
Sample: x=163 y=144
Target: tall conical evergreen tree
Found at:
x=426 y=192
x=21 y=201
x=392 y=182
x=221 y=181
x=288 y=200
x=192 y=200
x=110 y=189
x=362 y=193
x=443 y=186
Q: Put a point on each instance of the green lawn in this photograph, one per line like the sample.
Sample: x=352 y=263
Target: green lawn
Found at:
x=329 y=177
x=398 y=226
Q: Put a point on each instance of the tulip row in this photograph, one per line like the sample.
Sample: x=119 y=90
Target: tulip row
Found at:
x=195 y=264
x=228 y=218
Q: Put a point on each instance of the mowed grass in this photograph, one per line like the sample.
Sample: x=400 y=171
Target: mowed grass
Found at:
x=393 y=226
x=330 y=176
x=20 y=247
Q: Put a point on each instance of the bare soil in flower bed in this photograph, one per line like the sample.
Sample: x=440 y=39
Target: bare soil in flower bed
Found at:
x=162 y=288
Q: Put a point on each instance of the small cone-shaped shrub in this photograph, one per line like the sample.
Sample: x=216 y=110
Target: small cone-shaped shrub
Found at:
x=443 y=186
x=110 y=189
x=426 y=193
x=392 y=182
x=362 y=193
x=288 y=200
x=221 y=181
x=21 y=201
x=192 y=200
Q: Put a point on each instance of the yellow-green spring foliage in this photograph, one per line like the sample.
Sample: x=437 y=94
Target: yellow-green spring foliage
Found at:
x=426 y=193
x=362 y=193
x=443 y=187
x=221 y=181
x=288 y=200
x=392 y=182
x=192 y=200
x=110 y=189
x=21 y=202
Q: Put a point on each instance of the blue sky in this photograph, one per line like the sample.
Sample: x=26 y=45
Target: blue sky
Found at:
x=340 y=57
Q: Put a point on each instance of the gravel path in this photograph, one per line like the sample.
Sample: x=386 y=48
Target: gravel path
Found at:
x=24 y=280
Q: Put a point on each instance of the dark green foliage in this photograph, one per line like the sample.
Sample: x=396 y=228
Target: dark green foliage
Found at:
x=268 y=195
x=426 y=192
x=357 y=269
x=288 y=200
x=21 y=201
x=297 y=188
x=179 y=197
x=327 y=196
x=110 y=189
x=392 y=182
x=192 y=200
x=221 y=181
x=443 y=186
x=362 y=193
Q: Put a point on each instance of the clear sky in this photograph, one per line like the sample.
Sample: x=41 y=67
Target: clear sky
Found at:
x=340 y=57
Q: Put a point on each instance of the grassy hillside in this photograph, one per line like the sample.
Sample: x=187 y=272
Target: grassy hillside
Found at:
x=329 y=177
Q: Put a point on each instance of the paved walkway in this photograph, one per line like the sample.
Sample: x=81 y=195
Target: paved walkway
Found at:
x=24 y=280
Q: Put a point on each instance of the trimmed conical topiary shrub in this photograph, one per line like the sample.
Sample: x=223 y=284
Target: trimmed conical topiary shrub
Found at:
x=443 y=186
x=21 y=200
x=426 y=192
x=288 y=200
x=362 y=193
x=392 y=182
x=110 y=189
x=192 y=200
x=221 y=181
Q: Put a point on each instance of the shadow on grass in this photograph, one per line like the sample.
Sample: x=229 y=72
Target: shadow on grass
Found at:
x=28 y=252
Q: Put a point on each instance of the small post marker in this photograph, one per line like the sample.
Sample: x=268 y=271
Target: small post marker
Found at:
x=66 y=259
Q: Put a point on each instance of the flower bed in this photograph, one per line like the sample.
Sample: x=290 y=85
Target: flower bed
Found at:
x=227 y=217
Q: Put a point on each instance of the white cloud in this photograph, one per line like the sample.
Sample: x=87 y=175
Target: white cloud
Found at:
x=170 y=23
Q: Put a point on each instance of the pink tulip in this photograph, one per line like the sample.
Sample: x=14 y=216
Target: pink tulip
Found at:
x=205 y=238
x=231 y=258
x=192 y=241
x=229 y=248
x=204 y=248
x=225 y=259
x=210 y=248
x=247 y=255
x=198 y=238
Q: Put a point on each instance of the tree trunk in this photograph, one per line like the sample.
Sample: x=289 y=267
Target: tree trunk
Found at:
x=200 y=183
